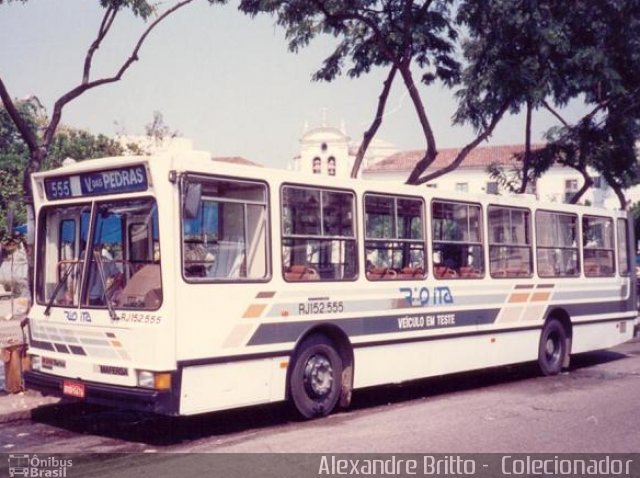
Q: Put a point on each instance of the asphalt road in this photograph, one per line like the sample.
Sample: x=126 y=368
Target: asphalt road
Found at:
x=592 y=408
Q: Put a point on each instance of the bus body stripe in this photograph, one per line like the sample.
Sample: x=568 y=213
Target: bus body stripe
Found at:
x=518 y=298
x=393 y=341
x=283 y=332
x=254 y=311
x=287 y=332
x=540 y=296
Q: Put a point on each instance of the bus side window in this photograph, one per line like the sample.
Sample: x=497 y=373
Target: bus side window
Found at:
x=318 y=234
x=226 y=240
x=510 y=251
x=557 y=245
x=598 y=246
x=623 y=248
x=457 y=240
x=394 y=237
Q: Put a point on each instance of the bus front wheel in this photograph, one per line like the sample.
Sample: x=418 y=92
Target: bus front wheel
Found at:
x=552 y=348
x=315 y=380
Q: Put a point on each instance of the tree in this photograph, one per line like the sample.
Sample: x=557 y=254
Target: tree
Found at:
x=158 y=130
x=14 y=156
x=396 y=34
x=39 y=141
x=544 y=54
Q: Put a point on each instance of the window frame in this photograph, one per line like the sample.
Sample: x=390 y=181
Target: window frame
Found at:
x=529 y=245
x=192 y=176
x=629 y=252
x=577 y=248
x=319 y=237
x=88 y=265
x=612 y=250
x=480 y=243
x=331 y=166
x=423 y=240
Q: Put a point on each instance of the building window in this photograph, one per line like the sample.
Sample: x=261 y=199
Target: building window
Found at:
x=462 y=187
x=317 y=165
x=394 y=237
x=318 y=234
x=532 y=186
x=331 y=166
x=598 y=246
x=557 y=241
x=509 y=242
x=570 y=189
x=432 y=185
x=492 y=187
x=598 y=183
x=457 y=240
x=571 y=184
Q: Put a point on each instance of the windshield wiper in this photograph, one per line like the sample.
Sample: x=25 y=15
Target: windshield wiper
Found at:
x=98 y=257
x=57 y=288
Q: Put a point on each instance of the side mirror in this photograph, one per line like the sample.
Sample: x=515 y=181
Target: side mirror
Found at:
x=192 y=196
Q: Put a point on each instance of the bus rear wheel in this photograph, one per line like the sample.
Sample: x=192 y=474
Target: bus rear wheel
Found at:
x=552 y=348
x=315 y=380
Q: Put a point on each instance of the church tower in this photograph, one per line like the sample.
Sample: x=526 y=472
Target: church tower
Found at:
x=324 y=150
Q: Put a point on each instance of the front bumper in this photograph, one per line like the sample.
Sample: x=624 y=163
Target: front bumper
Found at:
x=130 y=398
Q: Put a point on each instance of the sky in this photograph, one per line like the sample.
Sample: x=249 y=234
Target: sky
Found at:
x=223 y=79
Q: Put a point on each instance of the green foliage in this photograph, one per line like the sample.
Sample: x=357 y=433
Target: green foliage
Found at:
x=79 y=145
x=11 y=141
x=510 y=52
x=401 y=35
x=14 y=155
x=140 y=8
x=158 y=130
x=508 y=179
x=545 y=52
x=371 y=33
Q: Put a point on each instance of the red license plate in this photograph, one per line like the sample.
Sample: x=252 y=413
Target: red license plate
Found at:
x=73 y=389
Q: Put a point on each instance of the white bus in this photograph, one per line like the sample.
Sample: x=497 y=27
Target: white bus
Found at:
x=180 y=285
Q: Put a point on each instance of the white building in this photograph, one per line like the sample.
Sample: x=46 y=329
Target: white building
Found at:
x=557 y=185
x=329 y=150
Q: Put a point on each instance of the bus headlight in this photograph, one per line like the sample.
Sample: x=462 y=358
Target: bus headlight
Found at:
x=156 y=380
x=36 y=362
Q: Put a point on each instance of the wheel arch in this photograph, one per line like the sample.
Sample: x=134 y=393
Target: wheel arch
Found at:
x=344 y=348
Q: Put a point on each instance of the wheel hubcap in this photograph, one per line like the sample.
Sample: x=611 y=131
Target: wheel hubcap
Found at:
x=318 y=376
x=552 y=348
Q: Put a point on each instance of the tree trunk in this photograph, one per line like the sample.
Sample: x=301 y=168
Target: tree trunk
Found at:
x=617 y=189
x=36 y=159
x=431 y=151
x=620 y=194
x=371 y=132
x=527 y=151
x=588 y=182
x=464 y=152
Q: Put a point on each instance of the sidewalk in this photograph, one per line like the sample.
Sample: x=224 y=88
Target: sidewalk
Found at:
x=16 y=406
x=10 y=317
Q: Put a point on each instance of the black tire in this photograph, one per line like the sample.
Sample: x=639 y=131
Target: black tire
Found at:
x=552 y=348
x=315 y=382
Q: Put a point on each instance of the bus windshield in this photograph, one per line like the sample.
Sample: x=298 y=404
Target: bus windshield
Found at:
x=108 y=257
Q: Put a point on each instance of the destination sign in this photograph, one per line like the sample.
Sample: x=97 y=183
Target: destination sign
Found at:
x=112 y=181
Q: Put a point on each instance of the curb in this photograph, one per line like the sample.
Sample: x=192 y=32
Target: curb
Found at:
x=19 y=406
x=15 y=416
